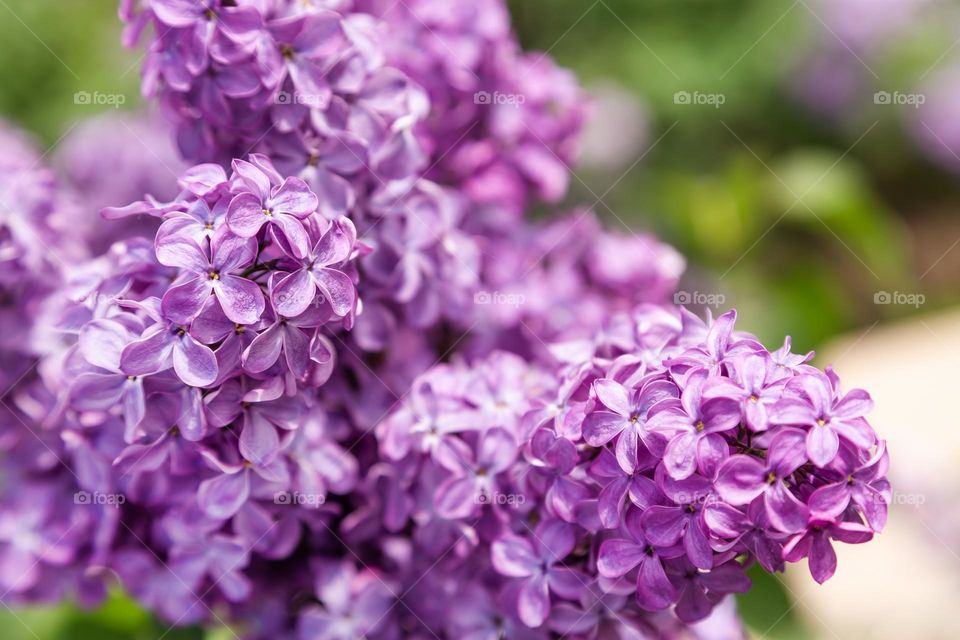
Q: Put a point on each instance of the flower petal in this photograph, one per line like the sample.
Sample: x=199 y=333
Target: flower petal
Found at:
x=264 y=351
x=293 y=294
x=613 y=396
x=241 y=299
x=337 y=288
x=822 y=444
x=222 y=496
x=194 y=363
x=245 y=215
x=618 y=557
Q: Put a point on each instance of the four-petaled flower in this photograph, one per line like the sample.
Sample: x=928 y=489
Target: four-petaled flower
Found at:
x=817 y=405
x=695 y=425
x=742 y=478
x=206 y=272
x=626 y=418
x=169 y=344
x=317 y=273
x=538 y=567
x=283 y=206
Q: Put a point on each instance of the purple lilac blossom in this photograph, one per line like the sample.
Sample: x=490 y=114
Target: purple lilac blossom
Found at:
x=504 y=123
x=250 y=440
x=670 y=536
x=331 y=397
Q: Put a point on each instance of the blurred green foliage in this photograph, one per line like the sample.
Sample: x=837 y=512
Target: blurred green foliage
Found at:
x=52 y=50
x=796 y=220
x=118 y=619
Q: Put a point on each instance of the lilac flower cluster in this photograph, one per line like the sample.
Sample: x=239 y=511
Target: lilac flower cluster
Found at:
x=291 y=79
x=342 y=389
x=36 y=212
x=651 y=474
x=355 y=96
x=503 y=123
x=44 y=538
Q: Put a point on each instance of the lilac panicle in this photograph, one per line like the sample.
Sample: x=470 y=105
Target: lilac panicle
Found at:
x=672 y=487
x=342 y=388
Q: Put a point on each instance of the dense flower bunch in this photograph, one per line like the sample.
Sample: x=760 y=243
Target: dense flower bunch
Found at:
x=36 y=212
x=353 y=97
x=289 y=78
x=44 y=538
x=650 y=475
x=341 y=389
x=503 y=123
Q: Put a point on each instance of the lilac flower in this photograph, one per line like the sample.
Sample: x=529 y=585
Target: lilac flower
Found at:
x=318 y=274
x=553 y=459
x=700 y=591
x=327 y=164
x=199 y=222
x=223 y=495
x=473 y=477
x=814 y=544
x=683 y=520
x=222 y=28
x=627 y=418
x=742 y=478
x=263 y=410
x=750 y=530
x=619 y=556
x=221 y=558
x=425 y=422
x=787 y=363
x=282 y=206
x=538 y=566
x=210 y=272
x=218 y=83
x=287 y=336
x=619 y=484
x=828 y=417
x=695 y=424
x=295 y=46
x=172 y=423
x=754 y=382
x=860 y=483
x=101 y=344
x=719 y=344
x=355 y=604
x=168 y=344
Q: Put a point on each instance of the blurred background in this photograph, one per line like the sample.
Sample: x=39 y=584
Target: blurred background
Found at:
x=802 y=154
